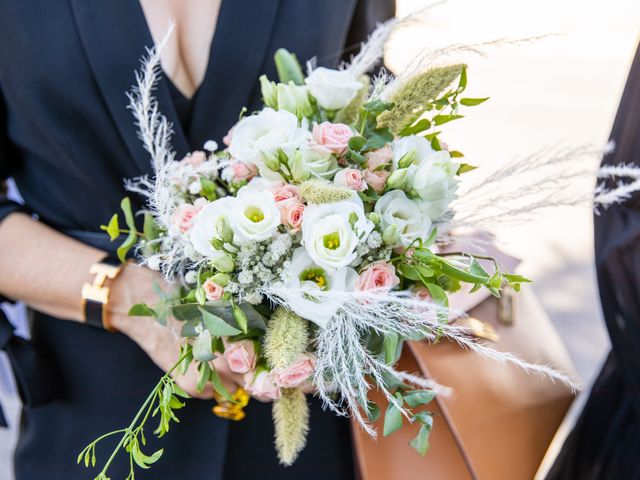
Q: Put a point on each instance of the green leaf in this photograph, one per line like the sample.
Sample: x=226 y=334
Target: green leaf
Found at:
x=462 y=84
x=218 y=386
x=208 y=189
x=472 y=102
x=132 y=238
x=113 y=228
x=189 y=329
x=408 y=271
x=456 y=154
x=391 y=341
x=416 y=398
x=378 y=139
x=372 y=411
x=438 y=294
x=202 y=350
x=356 y=143
x=442 y=119
x=288 y=67
x=240 y=318
x=510 y=277
x=205 y=375
x=392 y=417
x=416 y=128
x=217 y=326
x=464 y=168
x=141 y=310
x=421 y=442
x=476 y=269
x=425 y=272
x=149 y=227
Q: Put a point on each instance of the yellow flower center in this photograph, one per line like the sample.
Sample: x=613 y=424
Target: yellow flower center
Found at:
x=331 y=241
x=316 y=275
x=254 y=214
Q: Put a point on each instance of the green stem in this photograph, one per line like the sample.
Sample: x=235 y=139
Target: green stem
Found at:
x=127 y=431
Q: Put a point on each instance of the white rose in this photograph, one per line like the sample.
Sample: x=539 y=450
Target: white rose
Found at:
x=435 y=182
x=255 y=216
x=395 y=208
x=205 y=226
x=333 y=89
x=303 y=273
x=263 y=134
x=331 y=232
x=320 y=162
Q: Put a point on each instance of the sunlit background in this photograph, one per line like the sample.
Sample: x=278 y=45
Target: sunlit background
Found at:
x=562 y=89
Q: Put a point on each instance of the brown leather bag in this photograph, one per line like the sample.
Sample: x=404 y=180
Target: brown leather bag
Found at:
x=499 y=421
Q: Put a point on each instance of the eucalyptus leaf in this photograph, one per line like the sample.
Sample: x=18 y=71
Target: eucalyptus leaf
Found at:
x=421 y=442
x=217 y=326
x=472 y=102
x=391 y=341
x=132 y=237
x=113 y=228
x=218 y=386
x=141 y=310
x=392 y=417
x=416 y=398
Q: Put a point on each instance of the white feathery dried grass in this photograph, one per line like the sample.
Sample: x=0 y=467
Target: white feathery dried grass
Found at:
x=344 y=363
x=522 y=188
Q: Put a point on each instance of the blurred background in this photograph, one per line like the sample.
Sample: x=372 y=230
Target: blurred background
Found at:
x=562 y=89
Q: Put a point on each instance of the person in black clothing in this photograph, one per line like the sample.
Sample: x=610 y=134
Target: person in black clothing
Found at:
x=605 y=442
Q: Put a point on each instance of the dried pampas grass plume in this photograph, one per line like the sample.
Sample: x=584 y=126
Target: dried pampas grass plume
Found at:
x=287 y=336
x=291 y=421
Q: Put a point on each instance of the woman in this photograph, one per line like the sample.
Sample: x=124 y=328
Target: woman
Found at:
x=605 y=442
x=68 y=140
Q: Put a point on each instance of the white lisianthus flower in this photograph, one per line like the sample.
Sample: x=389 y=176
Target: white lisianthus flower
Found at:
x=304 y=274
x=395 y=208
x=320 y=162
x=331 y=232
x=255 y=216
x=419 y=148
x=205 y=226
x=435 y=182
x=261 y=135
x=333 y=89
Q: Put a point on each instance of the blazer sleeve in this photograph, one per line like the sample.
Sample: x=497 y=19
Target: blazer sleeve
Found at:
x=9 y=163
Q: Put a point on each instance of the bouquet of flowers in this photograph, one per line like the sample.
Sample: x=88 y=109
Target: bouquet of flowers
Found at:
x=311 y=247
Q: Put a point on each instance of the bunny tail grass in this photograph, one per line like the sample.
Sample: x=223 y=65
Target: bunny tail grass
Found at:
x=291 y=422
x=321 y=191
x=287 y=336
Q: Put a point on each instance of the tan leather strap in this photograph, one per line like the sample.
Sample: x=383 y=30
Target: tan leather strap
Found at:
x=414 y=347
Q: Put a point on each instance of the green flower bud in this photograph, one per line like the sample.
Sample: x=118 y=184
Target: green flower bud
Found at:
x=221 y=279
x=407 y=159
x=294 y=99
x=390 y=235
x=397 y=179
x=223 y=263
x=271 y=161
x=374 y=217
x=269 y=92
x=240 y=318
x=299 y=170
x=217 y=243
x=225 y=233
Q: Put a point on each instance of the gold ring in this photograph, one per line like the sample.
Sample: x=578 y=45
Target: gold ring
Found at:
x=233 y=410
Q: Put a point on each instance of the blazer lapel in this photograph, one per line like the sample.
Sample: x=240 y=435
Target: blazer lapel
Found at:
x=240 y=42
x=114 y=35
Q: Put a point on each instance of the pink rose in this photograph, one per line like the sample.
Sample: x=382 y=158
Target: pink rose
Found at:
x=296 y=373
x=195 y=159
x=241 y=356
x=377 y=275
x=262 y=385
x=376 y=180
x=243 y=171
x=286 y=192
x=332 y=136
x=183 y=216
x=212 y=290
x=380 y=157
x=227 y=138
x=350 y=178
x=293 y=214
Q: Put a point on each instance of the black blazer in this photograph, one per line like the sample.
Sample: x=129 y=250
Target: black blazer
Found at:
x=68 y=140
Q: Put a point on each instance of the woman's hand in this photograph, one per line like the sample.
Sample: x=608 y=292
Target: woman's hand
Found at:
x=161 y=343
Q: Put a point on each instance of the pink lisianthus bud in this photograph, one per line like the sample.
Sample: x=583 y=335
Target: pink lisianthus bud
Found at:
x=195 y=159
x=183 y=217
x=332 y=136
x=379 y=157
x=262 y=385
x=240 y=356
x=376 y=179
x=350 y=178
x=243 y=171
x=212 y=290
x=296 y=373
x=377 y=275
